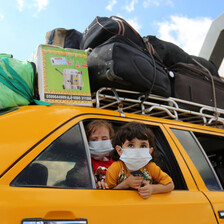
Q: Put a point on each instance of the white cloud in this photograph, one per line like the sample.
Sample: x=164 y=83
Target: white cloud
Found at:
x=20 y=5
x=134 y=23
x=131 y=6
x=157 y=3
x=110 y=5
x=1 y=17
x=41 y=4
x=187 y=33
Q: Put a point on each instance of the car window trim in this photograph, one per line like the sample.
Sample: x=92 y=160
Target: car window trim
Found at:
x=207 y=159
x=85 y=142
x=174 y=165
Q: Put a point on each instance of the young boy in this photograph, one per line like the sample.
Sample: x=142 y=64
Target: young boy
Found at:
x=134 y=144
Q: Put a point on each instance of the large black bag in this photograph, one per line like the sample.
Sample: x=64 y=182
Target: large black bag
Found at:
x=171 y=54
x=193 y=83
x=120 y=63
x=103 y=28
x=64 y=38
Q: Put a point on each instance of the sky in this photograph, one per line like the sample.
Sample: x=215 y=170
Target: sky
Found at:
x=24 y=23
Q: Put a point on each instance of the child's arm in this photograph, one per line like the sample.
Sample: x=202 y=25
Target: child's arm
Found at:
x=149 y=189
x=130 y=182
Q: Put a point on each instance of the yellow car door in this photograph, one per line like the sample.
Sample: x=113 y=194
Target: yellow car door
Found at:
x=203 y=151
x=27 y=196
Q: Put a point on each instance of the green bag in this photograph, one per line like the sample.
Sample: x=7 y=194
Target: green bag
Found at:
x=18 y=83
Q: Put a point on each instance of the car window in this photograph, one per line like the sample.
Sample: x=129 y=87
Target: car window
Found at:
x=62 y=164
x=199 y=158
x=213 y=146
x=166 y=160
x=164 y=156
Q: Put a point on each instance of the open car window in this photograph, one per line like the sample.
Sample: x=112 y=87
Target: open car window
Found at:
x=206 y=152
x=63 y=164
x=164 y=156
x=213 y=147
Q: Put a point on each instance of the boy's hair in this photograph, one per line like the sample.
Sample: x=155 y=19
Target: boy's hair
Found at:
x=130 y=131
x=93 y=125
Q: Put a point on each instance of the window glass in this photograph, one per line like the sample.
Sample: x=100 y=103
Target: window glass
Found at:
x=62 y=164
x=166 y=160
x=213 y=146
x=193 y=149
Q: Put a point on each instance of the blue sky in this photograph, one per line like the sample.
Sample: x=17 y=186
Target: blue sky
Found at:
x=24 y=23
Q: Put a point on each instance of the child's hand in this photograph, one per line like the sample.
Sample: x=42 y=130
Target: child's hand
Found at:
x=146 y=190
x=101 y=185
x=134 y=182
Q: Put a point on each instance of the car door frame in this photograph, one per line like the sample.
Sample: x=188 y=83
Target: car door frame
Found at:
x=215 y=197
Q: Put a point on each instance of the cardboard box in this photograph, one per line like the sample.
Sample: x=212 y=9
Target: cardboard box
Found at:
x=63 y=75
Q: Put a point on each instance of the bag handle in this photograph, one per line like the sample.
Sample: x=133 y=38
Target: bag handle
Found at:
x=121 y=19
x=149 y=46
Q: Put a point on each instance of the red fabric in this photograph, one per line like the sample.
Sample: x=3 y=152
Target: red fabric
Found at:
x=100 y=167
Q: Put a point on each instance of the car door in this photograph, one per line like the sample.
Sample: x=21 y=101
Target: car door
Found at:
x=204 y=152
x=57 y=197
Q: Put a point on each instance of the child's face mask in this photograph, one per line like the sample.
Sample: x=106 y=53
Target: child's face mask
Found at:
x=100 y=148
x=135 y=158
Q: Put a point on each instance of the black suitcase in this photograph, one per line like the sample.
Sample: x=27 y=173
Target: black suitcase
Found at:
x=193 y=83
x=120 y=63
x=103 y=28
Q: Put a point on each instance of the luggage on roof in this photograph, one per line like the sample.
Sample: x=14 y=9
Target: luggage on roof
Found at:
x=17 y=82
x=194 y=83
x=120 y=63
x=64 y=38
x=103 y=28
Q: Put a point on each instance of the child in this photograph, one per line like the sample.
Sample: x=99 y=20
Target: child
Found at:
x=99 y=133
x=134 y=144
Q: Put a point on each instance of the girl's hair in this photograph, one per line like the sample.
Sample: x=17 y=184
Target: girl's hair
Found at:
x=130 y=131
x=93 y=125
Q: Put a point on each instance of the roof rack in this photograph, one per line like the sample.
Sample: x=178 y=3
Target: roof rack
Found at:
x=158 y=106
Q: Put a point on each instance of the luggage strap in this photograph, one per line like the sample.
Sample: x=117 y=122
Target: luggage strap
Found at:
x=51 y=37
x=17 y=84
x=151 y=51
x=122 y=20
x=216 y=113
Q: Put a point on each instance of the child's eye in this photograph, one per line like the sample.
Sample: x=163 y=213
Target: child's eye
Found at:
x=130 y=145
x=144 y=146
x=93 y=140
x=105 y=138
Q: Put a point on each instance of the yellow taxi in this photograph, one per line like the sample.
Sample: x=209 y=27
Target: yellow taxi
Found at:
x=39 y=145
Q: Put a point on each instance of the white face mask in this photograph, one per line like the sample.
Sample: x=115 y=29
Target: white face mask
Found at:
x=135 y=158
x=100 y=147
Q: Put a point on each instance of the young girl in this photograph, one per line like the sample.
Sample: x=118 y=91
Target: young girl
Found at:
x=99 y=134
x=134 y=144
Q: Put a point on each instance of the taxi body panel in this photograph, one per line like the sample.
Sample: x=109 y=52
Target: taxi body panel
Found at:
x=110 y=205
x=30 y=130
